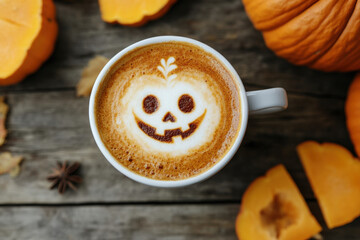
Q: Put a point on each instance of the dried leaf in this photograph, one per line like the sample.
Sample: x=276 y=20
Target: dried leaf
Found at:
x=4 y=108
x=89 y=75
x=10 y=164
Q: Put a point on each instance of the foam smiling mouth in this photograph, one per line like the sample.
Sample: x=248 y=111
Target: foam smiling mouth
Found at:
x=169 y=133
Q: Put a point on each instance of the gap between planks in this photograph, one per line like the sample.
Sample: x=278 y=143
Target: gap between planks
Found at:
x=128 y=203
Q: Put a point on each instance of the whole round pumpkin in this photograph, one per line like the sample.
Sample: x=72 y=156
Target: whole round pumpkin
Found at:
x=323 y=35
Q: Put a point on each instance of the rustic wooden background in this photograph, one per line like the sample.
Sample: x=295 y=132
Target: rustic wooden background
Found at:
x=48 y=123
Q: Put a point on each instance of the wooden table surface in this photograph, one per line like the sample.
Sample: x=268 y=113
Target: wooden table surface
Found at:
x=47 y=123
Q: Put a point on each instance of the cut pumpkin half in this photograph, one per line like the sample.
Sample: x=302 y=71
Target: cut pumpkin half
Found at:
x=27 y=37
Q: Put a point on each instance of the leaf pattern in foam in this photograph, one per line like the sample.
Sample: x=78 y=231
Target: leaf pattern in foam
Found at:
x=168 y=67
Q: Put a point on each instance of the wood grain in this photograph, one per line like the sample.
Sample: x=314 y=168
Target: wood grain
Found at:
x=47 y=123
x=223 y=25
x=151 y=222
x=120 y=222
x=53 y=126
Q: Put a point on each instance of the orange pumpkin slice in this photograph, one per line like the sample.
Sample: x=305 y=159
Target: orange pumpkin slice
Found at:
x=27 y=37
x=352 y=111
x=334 y=175
x=273 y=208
x=135 y=12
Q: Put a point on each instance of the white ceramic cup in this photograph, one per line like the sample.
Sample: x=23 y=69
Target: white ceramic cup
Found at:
x=253 y=102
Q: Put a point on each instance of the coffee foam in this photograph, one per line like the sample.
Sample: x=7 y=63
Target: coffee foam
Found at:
x=168 y=111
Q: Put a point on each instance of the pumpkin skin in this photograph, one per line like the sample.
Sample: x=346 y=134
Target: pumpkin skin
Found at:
x=334 y=175
x=352 y=111
x=273 y=208
x=323 y=35
x=27 y=38
x=133 y=13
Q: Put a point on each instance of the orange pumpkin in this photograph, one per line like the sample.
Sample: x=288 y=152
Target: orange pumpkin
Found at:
x=334 y=175
x=27 y=37
x=319 y=34
x=272 y=208
x=352 y=110
x=135 y=12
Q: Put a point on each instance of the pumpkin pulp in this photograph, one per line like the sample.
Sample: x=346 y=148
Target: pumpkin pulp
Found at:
x=273 y=208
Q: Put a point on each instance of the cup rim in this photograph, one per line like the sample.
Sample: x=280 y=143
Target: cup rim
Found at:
x=169 y=183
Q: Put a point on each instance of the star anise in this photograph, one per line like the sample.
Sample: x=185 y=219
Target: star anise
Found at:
x=65 y=175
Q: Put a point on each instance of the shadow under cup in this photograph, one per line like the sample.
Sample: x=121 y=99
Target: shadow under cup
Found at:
x=161 y=109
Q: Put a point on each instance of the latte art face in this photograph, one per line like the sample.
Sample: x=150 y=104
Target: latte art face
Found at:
x=172 y=113
x=169 y=133
x=168 y=111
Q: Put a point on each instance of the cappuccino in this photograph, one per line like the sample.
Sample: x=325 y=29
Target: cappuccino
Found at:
x=168 y=111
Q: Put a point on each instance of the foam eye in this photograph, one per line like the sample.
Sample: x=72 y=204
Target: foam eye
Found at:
x=150 y=104
x=186 y=103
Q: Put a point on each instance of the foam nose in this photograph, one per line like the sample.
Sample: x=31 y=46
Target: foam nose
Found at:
x=169 y=117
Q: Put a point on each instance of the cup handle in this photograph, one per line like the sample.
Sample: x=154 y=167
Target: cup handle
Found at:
x=267 y=101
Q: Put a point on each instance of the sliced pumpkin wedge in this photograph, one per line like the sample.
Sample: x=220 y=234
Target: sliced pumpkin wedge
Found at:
x=135 y=12
x=273 y=208
x=334 y=175
x=352 y=110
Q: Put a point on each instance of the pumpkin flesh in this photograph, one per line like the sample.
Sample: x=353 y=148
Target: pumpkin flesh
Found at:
x=134 y=12
x=27 y=37
x=334 y=175
x=273 y=208
x=352 y=110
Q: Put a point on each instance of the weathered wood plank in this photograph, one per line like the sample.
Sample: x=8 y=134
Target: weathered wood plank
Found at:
x=123 y=222
x=47 y=123
x=223 y=25
x=51 y=126
x=175 y=222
